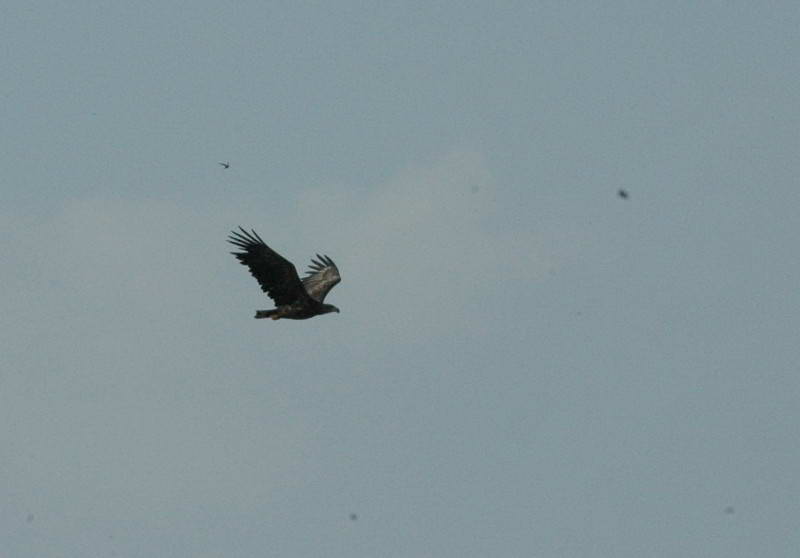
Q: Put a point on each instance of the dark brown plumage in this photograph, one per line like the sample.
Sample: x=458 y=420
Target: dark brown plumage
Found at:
x=295 y=299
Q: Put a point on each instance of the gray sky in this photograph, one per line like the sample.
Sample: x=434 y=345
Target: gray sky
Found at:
x=525 y=364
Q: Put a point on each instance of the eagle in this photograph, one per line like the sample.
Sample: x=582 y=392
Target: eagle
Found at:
x=295 y=298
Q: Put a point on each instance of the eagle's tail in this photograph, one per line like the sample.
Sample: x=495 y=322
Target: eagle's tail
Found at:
x=266 y=313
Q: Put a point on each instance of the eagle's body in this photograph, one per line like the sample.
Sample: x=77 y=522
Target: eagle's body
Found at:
x=295 y=299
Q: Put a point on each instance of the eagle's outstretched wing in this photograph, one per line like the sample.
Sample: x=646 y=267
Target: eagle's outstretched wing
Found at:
x=323 y=276
x=276 y=275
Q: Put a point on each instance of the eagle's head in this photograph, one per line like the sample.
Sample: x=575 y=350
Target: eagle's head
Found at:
x=329 y=308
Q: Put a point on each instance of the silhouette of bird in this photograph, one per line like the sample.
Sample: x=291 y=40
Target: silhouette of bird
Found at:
x=295 y=298
x=622 y=193
x=226 y=164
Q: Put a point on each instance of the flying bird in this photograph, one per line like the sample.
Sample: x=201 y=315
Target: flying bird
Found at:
x=622 y=194
x=295 y=298
x=226 y=164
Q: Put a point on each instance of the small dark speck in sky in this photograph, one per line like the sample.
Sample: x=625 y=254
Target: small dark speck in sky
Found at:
x=30 y=518
x=622 y=193
x=353 y=517
x=729 y=510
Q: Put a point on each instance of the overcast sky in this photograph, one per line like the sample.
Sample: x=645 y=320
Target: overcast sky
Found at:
x=525 y=364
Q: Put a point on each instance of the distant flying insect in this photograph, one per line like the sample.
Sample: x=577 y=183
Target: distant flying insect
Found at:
x=622 y=193
x=226 y=164
x=295 y=299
